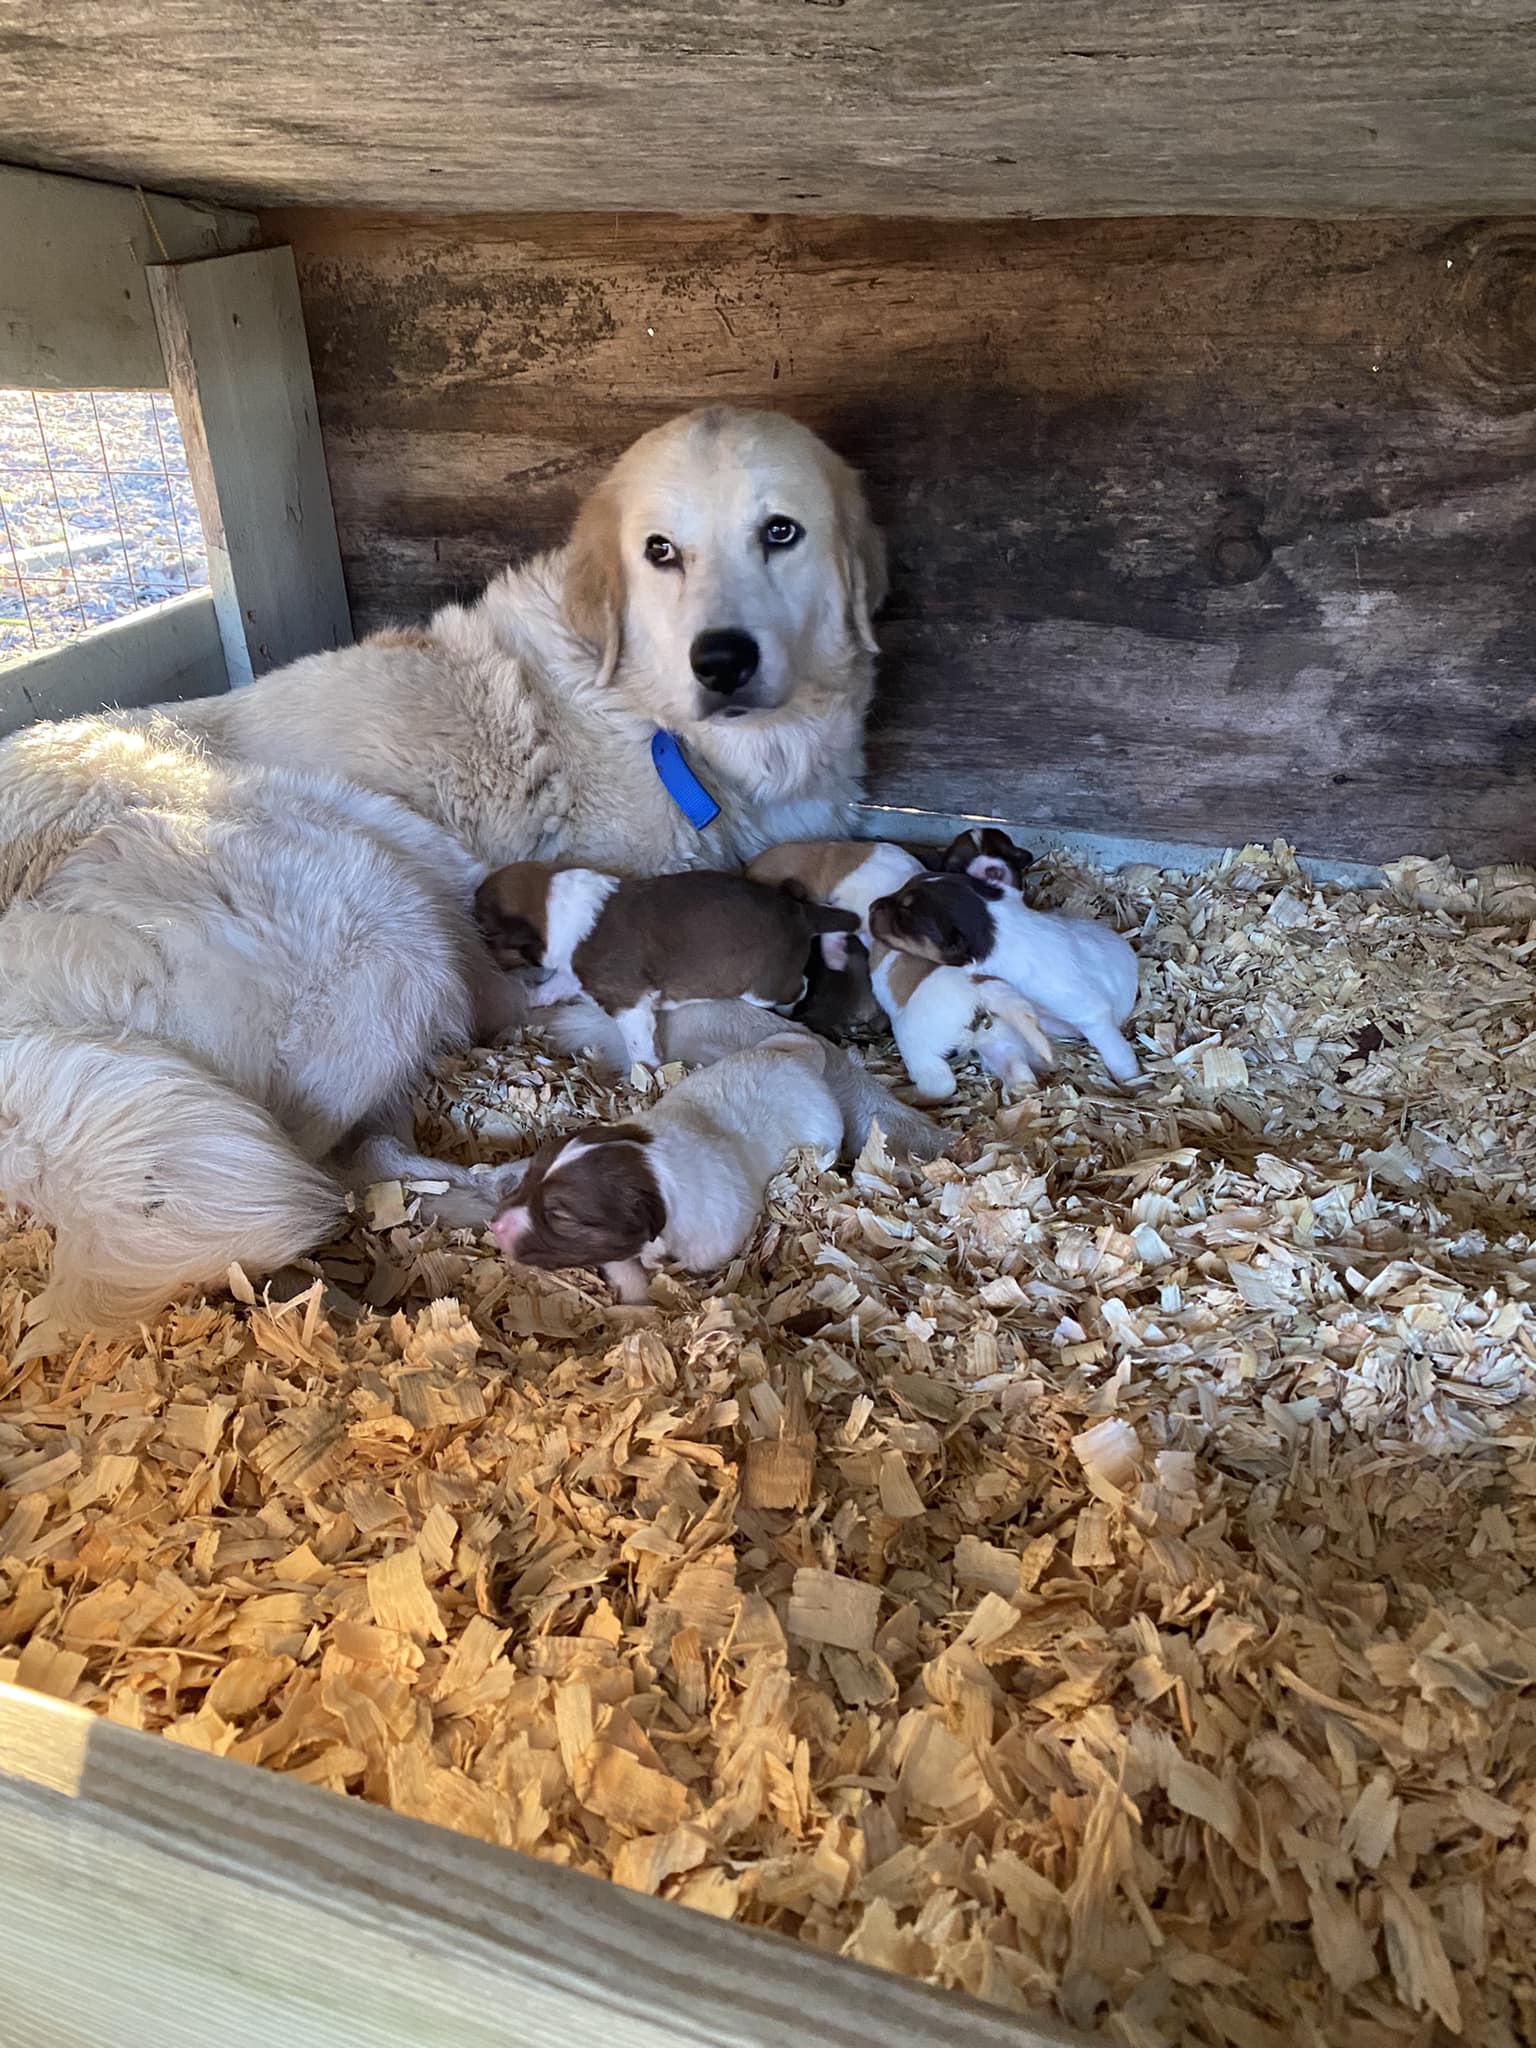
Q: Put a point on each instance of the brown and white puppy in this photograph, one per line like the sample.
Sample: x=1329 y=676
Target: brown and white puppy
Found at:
x=942 y=1013
x=989 y=855
x=1080 y=977
x=682 y=1181
x=636 y=947
x=847 y=873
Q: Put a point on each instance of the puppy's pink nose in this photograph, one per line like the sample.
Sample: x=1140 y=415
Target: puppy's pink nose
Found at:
x=508 y=1229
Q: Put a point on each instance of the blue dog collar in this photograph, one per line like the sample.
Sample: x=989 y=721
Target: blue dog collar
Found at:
x=680 y=782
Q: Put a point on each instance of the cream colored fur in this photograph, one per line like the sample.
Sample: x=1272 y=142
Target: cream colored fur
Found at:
x=234 y=932
x=698 y=1034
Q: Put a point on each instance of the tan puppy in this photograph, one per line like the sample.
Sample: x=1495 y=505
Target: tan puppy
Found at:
x=848 y=873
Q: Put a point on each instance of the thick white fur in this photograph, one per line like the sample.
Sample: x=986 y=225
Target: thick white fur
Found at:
x=697 y=1034
x=1080 y=976
x=160 y=1175
x=720 y=1136
x=200 y=1005
x=235 y=931
x=955 y=1012
x=522 y=723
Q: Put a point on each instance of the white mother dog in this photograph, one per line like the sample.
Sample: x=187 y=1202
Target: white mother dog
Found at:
x=234 y=933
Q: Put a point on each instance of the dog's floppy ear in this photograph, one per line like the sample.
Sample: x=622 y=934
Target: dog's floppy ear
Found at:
x=861 y=559
x=594 y=578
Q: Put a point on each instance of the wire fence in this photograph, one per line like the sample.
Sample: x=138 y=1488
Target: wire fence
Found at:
x=96 y=513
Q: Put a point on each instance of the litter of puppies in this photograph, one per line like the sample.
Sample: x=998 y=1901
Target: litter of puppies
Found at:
x=1090 y=1569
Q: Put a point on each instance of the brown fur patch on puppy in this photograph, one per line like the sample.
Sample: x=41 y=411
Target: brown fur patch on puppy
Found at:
x=511 y=911
x=701 y=936
x=818 y=865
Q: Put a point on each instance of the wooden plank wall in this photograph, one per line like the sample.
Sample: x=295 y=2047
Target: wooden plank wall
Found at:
x=996 y=108
x=1203 y=530
x=74 y=307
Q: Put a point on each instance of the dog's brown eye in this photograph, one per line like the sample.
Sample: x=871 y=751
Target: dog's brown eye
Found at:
x=659 y=551
x=779 y=532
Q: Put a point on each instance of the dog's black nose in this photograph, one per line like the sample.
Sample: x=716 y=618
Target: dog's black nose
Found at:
x=724 y=660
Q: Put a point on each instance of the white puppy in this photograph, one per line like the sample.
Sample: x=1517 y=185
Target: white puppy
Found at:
x=941 y=1013
x=1080 y=977
x=682 y=1181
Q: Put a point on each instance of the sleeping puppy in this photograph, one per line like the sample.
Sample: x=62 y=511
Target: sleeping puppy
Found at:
x=636 y=947
x=682 y=1181
x=699 y=1034
x=988 y=855
x=847 y=873
x=938 y=1013
x=1080 y=976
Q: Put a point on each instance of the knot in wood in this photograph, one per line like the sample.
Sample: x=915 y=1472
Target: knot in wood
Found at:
x=1489 y=345
x=1238 y=554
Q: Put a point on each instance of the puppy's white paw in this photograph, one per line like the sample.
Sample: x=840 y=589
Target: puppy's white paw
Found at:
x=932 y=1081
x=629 y=1281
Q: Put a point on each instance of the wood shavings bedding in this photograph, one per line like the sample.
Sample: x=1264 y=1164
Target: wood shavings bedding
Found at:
x=1091 y=1569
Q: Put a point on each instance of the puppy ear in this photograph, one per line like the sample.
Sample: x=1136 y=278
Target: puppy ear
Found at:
x=861 y=560
x=637 y=1204
x=959 y=853
x=594 y=578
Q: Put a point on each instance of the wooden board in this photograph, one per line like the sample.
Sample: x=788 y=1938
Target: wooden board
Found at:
x=153 y=657
x=155 y=1895
x=238 y=368
x=1201 y=531
x=74 y=309
x=1079 y=108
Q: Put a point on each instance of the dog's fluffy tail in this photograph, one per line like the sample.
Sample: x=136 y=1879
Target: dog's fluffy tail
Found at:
x=700 y=1033
x=154 y=1175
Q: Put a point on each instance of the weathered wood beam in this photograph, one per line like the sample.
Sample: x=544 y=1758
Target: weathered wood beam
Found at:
x=157 y=1895
x=74 y=308
x=238 y=367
